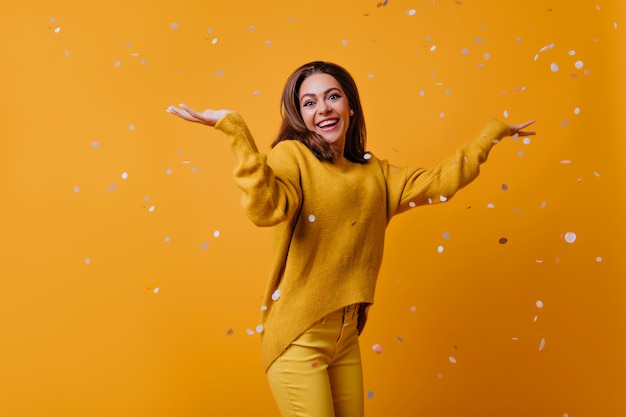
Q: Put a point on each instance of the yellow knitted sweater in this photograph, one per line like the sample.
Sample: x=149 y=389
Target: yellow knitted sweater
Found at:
x=329 y=221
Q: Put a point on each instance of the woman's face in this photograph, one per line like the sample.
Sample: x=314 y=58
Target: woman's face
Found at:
x=325 y=108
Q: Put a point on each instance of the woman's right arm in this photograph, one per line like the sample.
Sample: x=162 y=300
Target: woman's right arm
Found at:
x=271 y=190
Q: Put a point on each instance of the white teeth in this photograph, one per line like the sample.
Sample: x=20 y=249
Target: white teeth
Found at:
x=327 y=123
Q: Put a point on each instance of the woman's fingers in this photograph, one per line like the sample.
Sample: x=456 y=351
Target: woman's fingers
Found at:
x=518 y=129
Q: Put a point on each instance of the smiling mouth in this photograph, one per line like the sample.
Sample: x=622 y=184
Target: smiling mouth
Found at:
x=328 y=123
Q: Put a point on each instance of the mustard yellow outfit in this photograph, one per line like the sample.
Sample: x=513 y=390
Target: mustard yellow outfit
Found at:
x=329 y=221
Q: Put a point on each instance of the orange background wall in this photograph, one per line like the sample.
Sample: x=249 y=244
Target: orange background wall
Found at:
x=130 y=277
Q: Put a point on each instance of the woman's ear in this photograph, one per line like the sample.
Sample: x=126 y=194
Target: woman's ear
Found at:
x=351 y=112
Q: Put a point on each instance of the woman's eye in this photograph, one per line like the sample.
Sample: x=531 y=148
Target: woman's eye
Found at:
x=333 y=96
x=307 y=103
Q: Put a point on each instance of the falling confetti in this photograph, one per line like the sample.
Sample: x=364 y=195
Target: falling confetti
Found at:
x=503 y=240
x=377 y=348
x=542 y=344
x=229 y=332
x=539 y=304
x=370 y=394
x=440 y=249
x=311 y=218
x=315 y=363
x=156 y=290
x=259 y=328
x=570 y=237
x=276 y=295
x=452 y=359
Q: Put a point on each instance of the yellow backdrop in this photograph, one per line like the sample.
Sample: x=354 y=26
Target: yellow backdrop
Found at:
x=130 y=280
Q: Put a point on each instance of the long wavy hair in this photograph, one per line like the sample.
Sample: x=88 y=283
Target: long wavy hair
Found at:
x=294 y=128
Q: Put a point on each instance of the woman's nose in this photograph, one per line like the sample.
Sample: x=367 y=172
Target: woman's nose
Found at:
x=324 y=107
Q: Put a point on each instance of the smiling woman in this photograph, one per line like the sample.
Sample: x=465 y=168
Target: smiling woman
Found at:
x=330 y=211
x=325 y=110
x=320 y=92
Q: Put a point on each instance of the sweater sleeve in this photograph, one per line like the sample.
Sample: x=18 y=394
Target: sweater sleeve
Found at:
x=270 y=184
x=411 y=187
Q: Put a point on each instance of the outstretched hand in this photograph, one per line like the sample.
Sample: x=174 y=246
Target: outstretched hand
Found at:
x=519 y=129
x=207 y=117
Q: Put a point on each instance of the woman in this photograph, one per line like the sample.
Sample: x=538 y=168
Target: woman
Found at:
x=329 y=202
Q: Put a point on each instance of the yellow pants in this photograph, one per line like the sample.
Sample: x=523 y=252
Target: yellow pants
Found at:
x=320 y=374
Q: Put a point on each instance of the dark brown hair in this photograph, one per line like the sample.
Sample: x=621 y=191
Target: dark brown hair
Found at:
x=294 y=128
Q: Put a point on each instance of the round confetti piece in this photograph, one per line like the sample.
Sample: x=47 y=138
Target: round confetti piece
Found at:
x=579 y=64
x=443 y=199
x=174 y=25
x=412 y=204
x=554 y=67
x=412 y=309
x=87 y=261
x=263 y=308
x=229 y=332
x=151 y=209
x=77 y=189
x=411 y=12
x=440 y=249
x=570 y=237
x=377 y=348
x=124 y=175
x=577 y=110
x=156 y=290
x=504 y=187
x=491 y=205
x=503 y=240
x=276 y=295
x=95 y=144
x=112 y=188
x=370 y=394
x=311 y=218
x=204 y=246
x=166 y=239
x=367 y=156
x=598 y=259
x=216 y=234
x=315 y=363
x=168 y=171
x=526 y=141
x=259 y=328
x=250 y=332
x=539 y=304
x=446 y=235
x=452 y=359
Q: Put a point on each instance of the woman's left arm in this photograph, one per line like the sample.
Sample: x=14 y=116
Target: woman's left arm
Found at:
x=421 y=186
